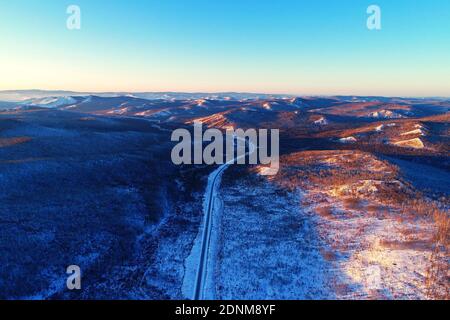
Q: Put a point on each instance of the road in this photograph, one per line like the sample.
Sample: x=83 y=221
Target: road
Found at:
x=208 y=210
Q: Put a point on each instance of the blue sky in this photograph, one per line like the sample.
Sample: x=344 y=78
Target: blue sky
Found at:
x=290 y=46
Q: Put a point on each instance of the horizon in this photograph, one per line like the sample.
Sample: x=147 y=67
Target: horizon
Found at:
x=293 y=48
x=299 y=95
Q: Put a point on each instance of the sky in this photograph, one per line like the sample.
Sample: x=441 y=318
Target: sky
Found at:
x=304 y=47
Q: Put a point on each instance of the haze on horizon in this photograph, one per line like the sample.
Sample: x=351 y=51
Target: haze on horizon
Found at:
x=287 y=47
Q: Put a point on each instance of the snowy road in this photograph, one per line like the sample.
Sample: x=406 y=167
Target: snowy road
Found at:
x=210 y=196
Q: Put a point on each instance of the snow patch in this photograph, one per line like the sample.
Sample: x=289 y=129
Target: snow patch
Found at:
x=267 y=106
x=415 y=143
x=202 y=103
x=386 y=114
x=51 y=102
x=348 y=139
x=119 y=111
x=321 y=121
x=416 y=131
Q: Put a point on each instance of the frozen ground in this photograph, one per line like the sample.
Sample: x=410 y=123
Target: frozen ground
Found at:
x=295 y=237
x=269 y=245
x=377 y=229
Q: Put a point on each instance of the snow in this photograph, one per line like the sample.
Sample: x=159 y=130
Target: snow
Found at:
x=264 y=171
x=51 y=102
x=297 y=102
x=211 y=234
x=202 y=102
x=145 y=113
x=416 y=131
x=375 y=250
x=119 y=111
x=387 y=114
x=321 y=121
x=384 y=272
x=192 y=261
x=269 y=248
x=379 y=128
x=348 y=139
x=364 y=187
x=415 y=143
x=217 y=120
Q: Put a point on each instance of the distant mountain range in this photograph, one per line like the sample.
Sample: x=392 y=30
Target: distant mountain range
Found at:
x=24 y=95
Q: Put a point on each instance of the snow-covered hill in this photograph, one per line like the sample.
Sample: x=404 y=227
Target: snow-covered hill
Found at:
x=50 y=102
